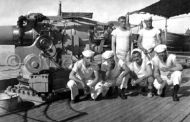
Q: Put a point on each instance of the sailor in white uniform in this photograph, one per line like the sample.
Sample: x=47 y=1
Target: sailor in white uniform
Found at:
x=84 y=75
x=141 y=71
x=149 y=37
x=116 y=74
x=167 y=71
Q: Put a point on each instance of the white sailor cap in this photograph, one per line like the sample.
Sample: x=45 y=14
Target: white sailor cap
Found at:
x=107 y=54
x=147 y=17
x=136 y=49
x=88 y=53
x=160 y=48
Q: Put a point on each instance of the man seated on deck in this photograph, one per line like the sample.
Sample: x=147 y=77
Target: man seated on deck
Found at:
x=166 y=71
x=115 y=74
x=141 y=71
x=84 y=75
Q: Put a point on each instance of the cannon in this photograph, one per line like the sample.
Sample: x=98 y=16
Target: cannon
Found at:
x=35 y=40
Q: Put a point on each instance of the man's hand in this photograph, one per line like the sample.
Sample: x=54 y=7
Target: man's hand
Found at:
x=165 y=69
x=133 y=83
x=116 y=58
x=86 y=89
x=145 y=51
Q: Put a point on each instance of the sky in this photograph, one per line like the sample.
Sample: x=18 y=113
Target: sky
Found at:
x=103 y=11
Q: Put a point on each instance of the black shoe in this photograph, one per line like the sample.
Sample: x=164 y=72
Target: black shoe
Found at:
x=175 y=91
x=142 y=91
x=110 y=92
x=87 y=97
x=115 y=92
x=163 y=92
x=122 y=94
x=76 y=100
x=99 y=97
x=175 y=98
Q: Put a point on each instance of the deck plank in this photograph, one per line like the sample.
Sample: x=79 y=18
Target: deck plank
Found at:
x=133 y=109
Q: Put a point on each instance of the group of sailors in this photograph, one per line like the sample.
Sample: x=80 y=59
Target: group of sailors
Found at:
x=149 y=66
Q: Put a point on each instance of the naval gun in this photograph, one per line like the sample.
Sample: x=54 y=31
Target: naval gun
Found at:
x=35 y=40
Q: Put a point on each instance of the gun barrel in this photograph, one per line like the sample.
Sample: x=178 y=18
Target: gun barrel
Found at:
x=8 y=35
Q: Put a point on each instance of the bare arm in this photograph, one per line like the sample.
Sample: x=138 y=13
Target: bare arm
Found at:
x=130 y=44
x=95 y=81
x=157 y=74
x=139 y=42
x=176 y=67
x=72 y=76
x=159 y=39
x=114 y=45
x=126 y=70
x=149 y=73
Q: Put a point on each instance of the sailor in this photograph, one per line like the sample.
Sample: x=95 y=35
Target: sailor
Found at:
x=121 y=42
x=84 y=75
x=149 y=37
x=116 y=74
x=167 y=71
x=141 y=71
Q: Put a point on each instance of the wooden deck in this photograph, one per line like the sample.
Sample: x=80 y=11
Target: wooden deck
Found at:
x=134 y=109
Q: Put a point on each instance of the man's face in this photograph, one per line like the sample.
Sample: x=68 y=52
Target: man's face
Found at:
x=148 y=23
x=137 y=57
x=122 y=23
x=110 y=62
x=162 y=55
x=88 y=60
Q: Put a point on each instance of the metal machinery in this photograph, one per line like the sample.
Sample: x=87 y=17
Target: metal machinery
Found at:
x=36 y=55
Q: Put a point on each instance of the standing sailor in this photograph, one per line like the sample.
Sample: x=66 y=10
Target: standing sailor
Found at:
x=149 y=37
x=121 y=42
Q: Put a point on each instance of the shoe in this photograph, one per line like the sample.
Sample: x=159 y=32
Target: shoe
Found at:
x=163 y=94
x=122 y=94
x=76 y=100
x=87 y=97
x=115 y=92
x=175 y=91
x=99 y=97
x=141 y=91
x=149 y=95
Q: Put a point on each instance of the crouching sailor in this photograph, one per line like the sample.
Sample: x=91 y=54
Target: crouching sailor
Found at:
x=84 y=75
x=116 y=74
x=167 y=71
x=141 y=71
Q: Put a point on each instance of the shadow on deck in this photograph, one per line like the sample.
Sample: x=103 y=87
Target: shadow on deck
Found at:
x=133 y=109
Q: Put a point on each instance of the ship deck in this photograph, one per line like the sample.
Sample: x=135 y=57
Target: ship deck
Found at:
x=133 y=109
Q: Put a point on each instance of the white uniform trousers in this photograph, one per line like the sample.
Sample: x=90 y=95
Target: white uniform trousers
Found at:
x=122 y=82
x=104 y=86
x=175 y=79
x=74 y=86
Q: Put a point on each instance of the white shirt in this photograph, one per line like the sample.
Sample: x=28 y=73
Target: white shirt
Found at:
x=140 y=71
x=115 y=71
x=82 y=71
x=122 y=39
x=149 y=38
x=171 y=61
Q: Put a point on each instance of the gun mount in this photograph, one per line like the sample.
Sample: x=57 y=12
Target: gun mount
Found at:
x=35 y=40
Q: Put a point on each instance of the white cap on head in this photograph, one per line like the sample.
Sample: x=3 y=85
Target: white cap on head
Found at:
x=136 y=49
x=107 y=54
x=160 y=48
x=147 y=17
x=88 y=53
